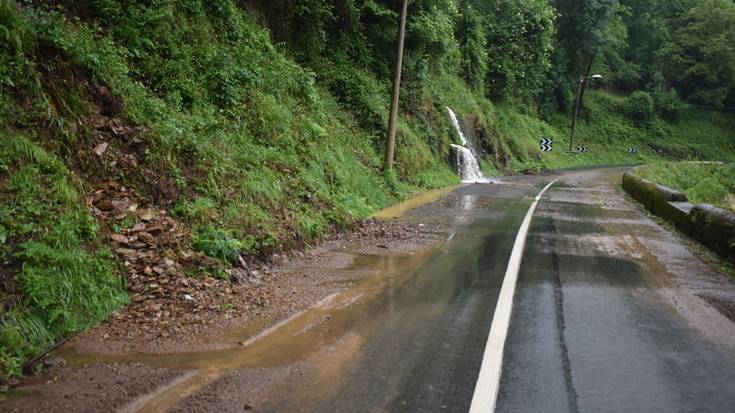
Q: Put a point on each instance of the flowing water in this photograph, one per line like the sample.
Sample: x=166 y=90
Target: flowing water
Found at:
x=469 y=169
x=457 y=127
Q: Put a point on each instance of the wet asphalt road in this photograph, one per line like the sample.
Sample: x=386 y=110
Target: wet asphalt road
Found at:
x=605 y=316
x=590 y=331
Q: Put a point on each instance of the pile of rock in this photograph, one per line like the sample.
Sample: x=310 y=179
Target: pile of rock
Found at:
x=386 y=231
x=167 y=281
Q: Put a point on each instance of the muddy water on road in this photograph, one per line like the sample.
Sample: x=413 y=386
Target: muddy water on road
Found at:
x=289 y=341
x=414 y=202
x=418 y=347
x=435 y=304
x=259 y=352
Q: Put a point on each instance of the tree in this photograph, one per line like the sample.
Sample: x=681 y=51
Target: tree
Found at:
x=473 y=47
x=647 y=32
x=520 y=36
x=584 y=29
x=701 y=58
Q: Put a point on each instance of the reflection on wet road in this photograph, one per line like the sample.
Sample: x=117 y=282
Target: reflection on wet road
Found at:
x=420 y=345
x=597 y=322
x=607 y=316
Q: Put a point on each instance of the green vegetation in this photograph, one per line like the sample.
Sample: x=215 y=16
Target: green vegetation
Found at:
x=709 y=183
x=49 y=253
x=239 y=140
x=611 y=124
x=260 y=125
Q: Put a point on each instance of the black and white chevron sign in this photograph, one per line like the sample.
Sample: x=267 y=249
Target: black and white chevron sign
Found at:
x=632 y=150
x=582 y=149
x=546 y=144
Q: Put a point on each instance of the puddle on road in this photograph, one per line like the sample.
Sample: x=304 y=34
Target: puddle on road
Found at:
x=292 y=340
x=330 y=324
x=414 y=202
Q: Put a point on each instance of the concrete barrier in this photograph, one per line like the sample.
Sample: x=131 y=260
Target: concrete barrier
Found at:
x=658 y=199
x=715 y=227
x=640 y=189
x=712 y=226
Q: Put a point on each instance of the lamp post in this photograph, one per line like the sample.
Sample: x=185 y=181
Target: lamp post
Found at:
x=582 y=81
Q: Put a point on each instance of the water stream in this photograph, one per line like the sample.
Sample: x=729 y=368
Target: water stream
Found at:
x=469 y=169
x=457 y=127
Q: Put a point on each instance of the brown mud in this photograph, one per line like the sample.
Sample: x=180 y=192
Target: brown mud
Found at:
x=141 y=359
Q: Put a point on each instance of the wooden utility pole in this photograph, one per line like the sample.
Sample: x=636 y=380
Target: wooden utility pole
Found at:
x=391 y=141
x=580 y=95
x=577 y=101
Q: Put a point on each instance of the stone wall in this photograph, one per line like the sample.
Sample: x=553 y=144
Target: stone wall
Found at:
x=712 y=226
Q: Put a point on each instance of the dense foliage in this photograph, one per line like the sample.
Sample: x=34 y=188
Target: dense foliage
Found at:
x=657 y=46
x=260 y=122
x=701 y=54
x=530 y=52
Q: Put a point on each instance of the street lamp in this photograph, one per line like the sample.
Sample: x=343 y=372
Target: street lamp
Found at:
x=582 y=81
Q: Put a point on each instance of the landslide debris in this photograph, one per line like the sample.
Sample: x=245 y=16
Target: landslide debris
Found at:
x=173 y=289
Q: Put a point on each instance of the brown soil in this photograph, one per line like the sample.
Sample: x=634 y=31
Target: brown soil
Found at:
x=159 y=320
x=162 y=319
x=234 y=392
x=97 y=387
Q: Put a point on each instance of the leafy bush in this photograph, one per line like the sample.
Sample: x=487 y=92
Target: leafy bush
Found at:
x=668 y=104
x=473 y=42
x=360 y=93
x=520 y=37
x=639 y=105
x=219 y=243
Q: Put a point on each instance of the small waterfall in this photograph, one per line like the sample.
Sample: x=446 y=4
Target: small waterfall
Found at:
x=458 y=128
x=469 y=169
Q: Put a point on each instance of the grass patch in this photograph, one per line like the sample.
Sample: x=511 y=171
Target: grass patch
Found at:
x=708 y=183
x=64 y=281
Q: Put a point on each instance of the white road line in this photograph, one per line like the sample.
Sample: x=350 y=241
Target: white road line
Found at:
x=488 y=382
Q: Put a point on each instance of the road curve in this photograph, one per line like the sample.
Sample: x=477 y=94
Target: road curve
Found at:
x=610 y=312
x=608 y=315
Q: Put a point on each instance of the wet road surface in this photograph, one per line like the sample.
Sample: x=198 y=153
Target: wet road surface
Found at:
x=610 y=313
x=423 y=341
x=596 y=325
x=590 y=330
